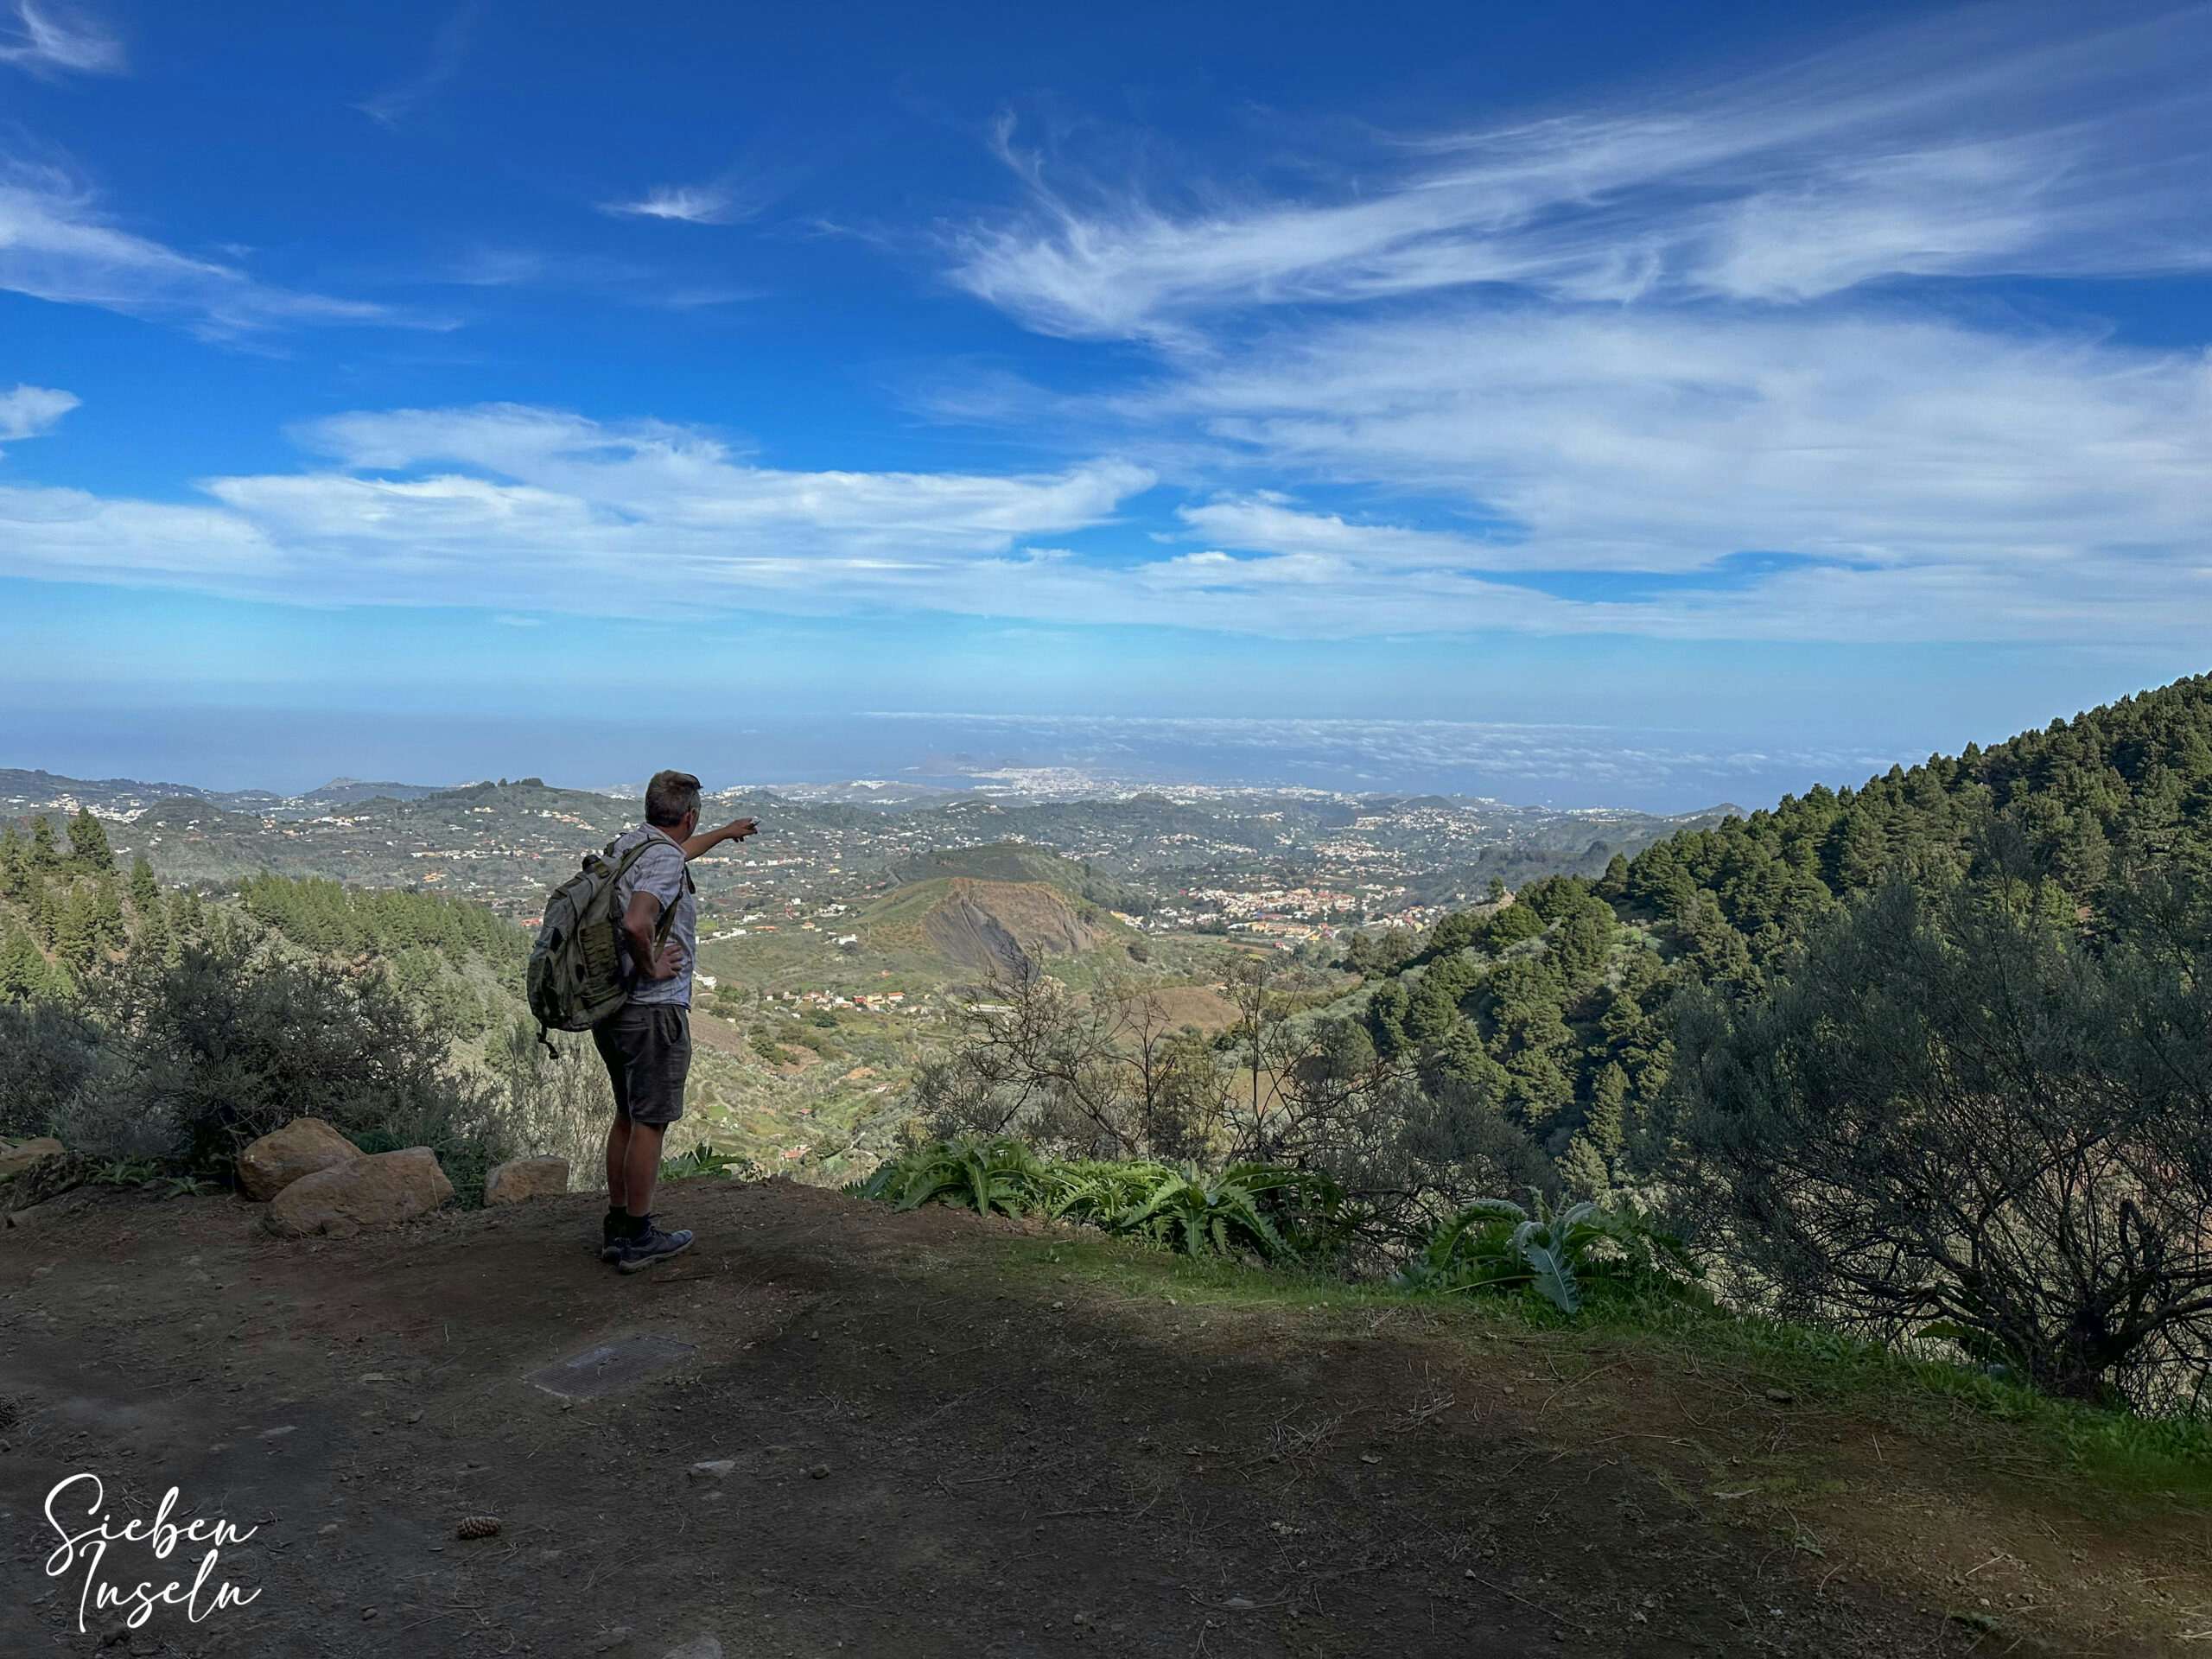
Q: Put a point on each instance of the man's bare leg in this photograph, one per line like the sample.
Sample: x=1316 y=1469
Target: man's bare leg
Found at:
x=618 y=1157
x=641 y=1168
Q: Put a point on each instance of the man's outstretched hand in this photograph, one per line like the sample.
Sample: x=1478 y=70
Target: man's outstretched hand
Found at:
x=735 y=829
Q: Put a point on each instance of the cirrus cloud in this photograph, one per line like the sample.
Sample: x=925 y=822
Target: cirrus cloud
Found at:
x=1983 y=142
x=51 y=38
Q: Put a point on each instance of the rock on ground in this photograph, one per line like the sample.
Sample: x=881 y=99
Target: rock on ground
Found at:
x=45 y=1214
x=17 y=1156
x=526 y=1177
x=370 y=1192
x=300 y=1148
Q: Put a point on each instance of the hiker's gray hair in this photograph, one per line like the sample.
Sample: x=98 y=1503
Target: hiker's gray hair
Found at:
x=669 y=795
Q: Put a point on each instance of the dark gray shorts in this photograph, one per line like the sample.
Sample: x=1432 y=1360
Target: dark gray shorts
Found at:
x=648 y=1054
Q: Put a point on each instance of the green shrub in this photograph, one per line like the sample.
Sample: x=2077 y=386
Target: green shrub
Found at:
x=1558 y=1255
x=1275 y=1212
x=1209 y=1213
x=703 y=1160
x=972 y=1172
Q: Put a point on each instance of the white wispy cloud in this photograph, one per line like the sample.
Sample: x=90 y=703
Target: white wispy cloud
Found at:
x=32 y=411
x=1648 y=365
x=50 y=39
x=1999 y=140
x=689 y=204
x=508 y=506
x=1663 y=440
x=58 y=243
x=448 y=50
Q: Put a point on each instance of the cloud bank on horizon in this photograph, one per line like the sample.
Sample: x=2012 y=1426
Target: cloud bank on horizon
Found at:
x=1886 y=335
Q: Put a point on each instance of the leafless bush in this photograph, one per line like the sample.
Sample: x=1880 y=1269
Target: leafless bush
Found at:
x=1957 y=1115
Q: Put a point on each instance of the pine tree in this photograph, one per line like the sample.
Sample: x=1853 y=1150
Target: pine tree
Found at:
x=22 y=969
x=77 y=932
x=107 y=913
x=145 y=891
x=1607 y=1123
x=15 y=865
x=1583 y=1169
x=88 y=847
x=45 y=855
x=157 y=940
x=1613 y=885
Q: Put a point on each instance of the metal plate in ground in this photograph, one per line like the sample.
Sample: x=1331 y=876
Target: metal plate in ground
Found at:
x=610 y=1366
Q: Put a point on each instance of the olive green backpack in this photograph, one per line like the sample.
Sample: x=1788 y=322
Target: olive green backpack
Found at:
x=576 y=968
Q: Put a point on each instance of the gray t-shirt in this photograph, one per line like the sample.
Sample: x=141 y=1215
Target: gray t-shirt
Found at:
x=660 y=871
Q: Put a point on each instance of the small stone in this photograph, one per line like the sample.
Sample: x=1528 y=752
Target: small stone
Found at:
x=712 y=1469
x=820 y=1471
x=526 y=1177
x=1239 y=1604
x=699 y=1646
x=1781 y=1396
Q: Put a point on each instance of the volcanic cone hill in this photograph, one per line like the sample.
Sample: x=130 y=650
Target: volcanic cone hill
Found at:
x=988 y=926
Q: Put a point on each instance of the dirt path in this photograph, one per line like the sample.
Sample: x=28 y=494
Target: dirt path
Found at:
x=935 y=1447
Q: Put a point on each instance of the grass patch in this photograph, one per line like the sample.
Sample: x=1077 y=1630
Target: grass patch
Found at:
x=2097 y=1452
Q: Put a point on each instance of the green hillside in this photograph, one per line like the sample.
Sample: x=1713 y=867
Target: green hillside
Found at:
x=1555 y=1006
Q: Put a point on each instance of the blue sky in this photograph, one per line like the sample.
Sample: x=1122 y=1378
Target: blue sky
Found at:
x=1590 y=402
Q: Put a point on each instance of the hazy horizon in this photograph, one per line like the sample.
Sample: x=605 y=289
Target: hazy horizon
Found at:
x=1535 y=764
x=1680 y=404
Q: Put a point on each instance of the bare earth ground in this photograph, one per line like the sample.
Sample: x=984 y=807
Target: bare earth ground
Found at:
x=946 y=1441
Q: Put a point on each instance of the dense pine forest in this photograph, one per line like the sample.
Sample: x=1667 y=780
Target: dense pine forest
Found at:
x=1556 y=1006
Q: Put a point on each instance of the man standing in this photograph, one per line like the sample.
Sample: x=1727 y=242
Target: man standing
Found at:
x=647 y=1045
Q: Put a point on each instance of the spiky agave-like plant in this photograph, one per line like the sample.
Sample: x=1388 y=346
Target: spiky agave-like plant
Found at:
x=1098 y=1193
x=971 y=1172
x=1496 y=1245
x=1204 y=1214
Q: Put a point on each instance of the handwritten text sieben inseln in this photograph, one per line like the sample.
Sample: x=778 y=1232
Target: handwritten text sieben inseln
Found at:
x=88 y=1548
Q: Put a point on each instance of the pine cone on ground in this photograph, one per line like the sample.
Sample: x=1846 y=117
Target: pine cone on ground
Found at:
x=478 y=1526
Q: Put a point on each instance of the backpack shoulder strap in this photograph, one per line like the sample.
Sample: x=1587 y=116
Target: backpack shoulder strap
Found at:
x=667 y=911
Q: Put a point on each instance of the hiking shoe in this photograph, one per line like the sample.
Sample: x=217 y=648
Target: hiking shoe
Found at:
x=610 y=1242
x=651 y=1246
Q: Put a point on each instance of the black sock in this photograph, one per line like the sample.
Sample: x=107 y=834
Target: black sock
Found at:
x=635 y=1226
x=617 y=1219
